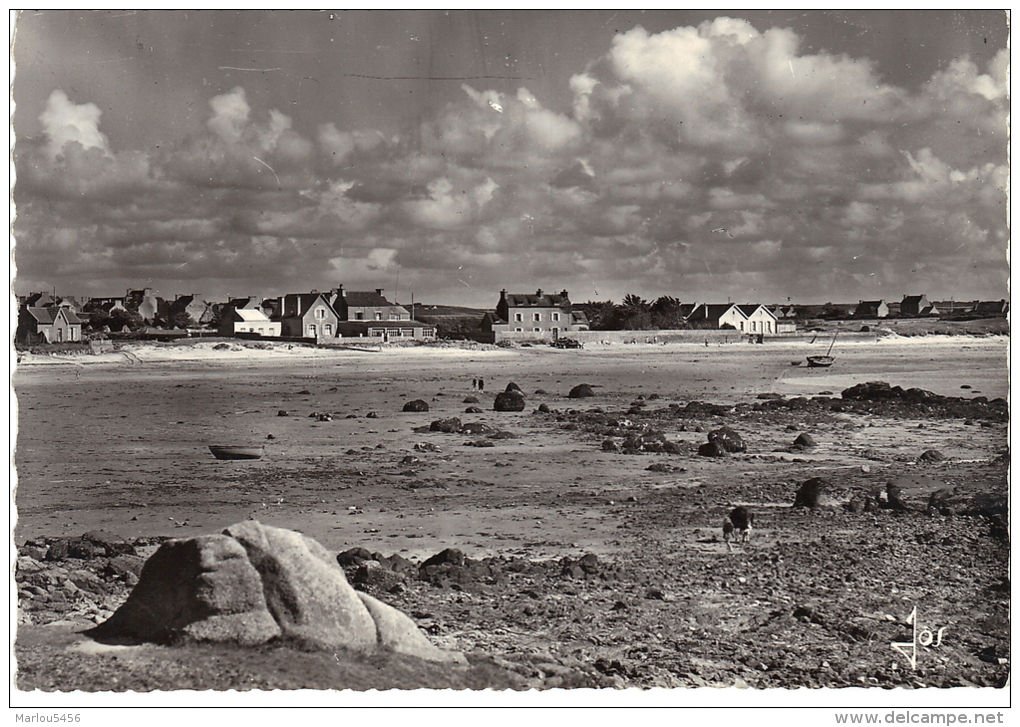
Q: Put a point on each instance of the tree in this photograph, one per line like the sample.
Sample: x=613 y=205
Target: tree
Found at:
x=634 y=313
x=602 y=316
x=182 y=319
x=121 y=319
x=666 y=313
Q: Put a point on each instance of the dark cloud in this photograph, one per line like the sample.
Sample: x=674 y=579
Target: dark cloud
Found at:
x=708 y=161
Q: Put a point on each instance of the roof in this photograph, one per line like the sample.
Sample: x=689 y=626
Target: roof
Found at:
x=911 y=299
x=359 y=298
x=251 y=314
x=46 y=316
x=866 y=305
x=748 y=309
x=42 y=315
x=305 y=302
x=579 y=316
x=711 y=311
x=991 y=305
x=534 y=300
x=247 y=301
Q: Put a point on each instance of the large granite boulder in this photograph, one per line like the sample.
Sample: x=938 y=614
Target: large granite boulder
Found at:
x=509 y=401
x=581 y=391
x=306 y=590
x=201 y=589
x=727 y=439
x=254 y=583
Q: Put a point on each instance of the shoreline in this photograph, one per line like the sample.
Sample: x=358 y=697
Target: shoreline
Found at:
x=268 y=352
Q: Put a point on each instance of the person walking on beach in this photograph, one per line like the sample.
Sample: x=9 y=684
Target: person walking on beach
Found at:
x=481 y=384
x=474 y=384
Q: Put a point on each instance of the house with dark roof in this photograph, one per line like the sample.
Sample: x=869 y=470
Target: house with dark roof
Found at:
x=192 y=305
x=992 y=308
x=917 y=306
x=759 y=318
x=534 y=316
x=53 y=324
x=149 y=306
x=107 y=305
x=308 y=315
x=369 y=314
x=718 y=315
x=871 y=309
x=358 y=305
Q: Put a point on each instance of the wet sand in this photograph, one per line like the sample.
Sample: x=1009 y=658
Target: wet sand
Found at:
x=125 y=446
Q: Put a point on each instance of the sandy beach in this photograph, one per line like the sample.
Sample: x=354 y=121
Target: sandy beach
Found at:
x=124 y=447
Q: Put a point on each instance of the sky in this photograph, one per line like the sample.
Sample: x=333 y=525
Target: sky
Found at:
x=711 y=155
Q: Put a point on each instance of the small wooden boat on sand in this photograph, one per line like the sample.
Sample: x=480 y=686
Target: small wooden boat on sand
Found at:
x=826 y=360
x=236 y=451
x=820 y=361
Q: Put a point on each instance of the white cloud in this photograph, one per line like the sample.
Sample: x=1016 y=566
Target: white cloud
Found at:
x=64 y=122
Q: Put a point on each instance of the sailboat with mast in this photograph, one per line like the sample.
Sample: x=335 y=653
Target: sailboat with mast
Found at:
x=826 y=360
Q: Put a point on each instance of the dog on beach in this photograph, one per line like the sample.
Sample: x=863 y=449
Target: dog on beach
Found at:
x=737 y=525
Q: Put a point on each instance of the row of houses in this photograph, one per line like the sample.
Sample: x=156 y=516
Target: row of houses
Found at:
x=918 y=306
x=337 y=313
x=314 y=315
x=548 y=316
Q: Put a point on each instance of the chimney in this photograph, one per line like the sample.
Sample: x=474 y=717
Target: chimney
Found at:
x=340 y=290
x=564 y=293
x=539 y=292
x=378 y=291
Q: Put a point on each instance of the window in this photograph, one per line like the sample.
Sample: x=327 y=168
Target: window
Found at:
x=556 y=316
x=359 y=316
x=518 y=317
x=407 y=332
x=555 y=330
x=328 y=329
x=519 y=330
x=311 y=329
x=60 y=335
x=538 y=317
x=262 y=330
x=320 y=312
x=536 y=329
x=378 y=316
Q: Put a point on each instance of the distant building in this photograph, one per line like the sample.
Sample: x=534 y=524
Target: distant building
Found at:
x=871 y=309
x=149 y=306
x=308 y=315
x=992 y=308
x=721 y=315
x=192 y=305
x=538 y=315
x=356 y=305
x=917 y=306
x=107 y=305
x=47 y=325
x=759 y=318
x=248 y=320
x=785 y=311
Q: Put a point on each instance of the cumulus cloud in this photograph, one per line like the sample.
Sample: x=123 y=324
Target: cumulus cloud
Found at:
x=691 y=161
x=64 y=122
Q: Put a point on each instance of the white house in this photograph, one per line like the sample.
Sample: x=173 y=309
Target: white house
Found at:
x=250 y=320
x=759 y=318
x=725 y=315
